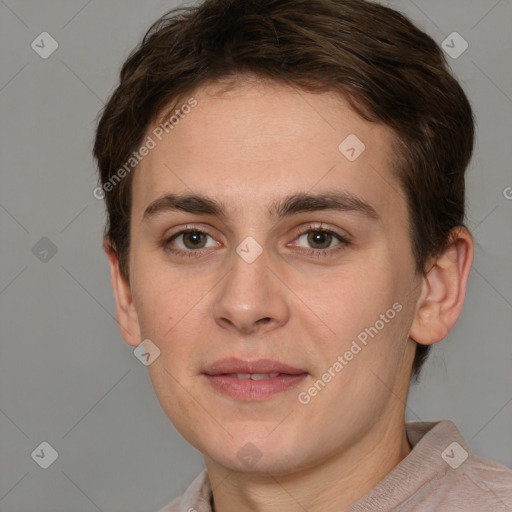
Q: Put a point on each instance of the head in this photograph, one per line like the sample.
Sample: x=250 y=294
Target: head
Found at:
x=265 y=114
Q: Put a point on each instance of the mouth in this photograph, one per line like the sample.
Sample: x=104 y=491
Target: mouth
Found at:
x=235 y=366
x=253 y=376
x=252 y=380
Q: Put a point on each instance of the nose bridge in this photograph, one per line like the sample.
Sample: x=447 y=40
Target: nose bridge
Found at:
x=249 y=296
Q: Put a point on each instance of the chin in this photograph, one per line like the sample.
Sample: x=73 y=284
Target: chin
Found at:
x=251 y=455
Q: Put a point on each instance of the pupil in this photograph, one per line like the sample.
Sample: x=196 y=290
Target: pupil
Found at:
x=194 y=238
x=316 y=237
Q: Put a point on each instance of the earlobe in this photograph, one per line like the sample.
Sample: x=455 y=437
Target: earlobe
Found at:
x=443 y=290
x=126 y=313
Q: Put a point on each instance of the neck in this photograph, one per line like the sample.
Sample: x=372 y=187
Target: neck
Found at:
x=329 y=486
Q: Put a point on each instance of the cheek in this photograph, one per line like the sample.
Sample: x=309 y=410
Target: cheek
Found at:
x=174 y=312
x=355 y=297
x=368 y=324
x=358 y=370
x=153 y=300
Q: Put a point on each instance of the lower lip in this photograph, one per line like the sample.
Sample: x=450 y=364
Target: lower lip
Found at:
x=248 y=389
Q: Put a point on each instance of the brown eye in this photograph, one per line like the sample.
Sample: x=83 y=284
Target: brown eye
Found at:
x=189 y=241
x=194 y=239
x=319 y=239
x=318 y=242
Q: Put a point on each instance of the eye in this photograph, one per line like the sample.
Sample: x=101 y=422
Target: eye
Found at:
x=319 y=238
x=321 y=242
x=190 y=240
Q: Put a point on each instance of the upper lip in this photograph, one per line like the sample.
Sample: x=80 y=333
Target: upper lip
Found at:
x=234 y=365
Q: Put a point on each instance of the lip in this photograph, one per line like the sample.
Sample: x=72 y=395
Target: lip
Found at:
x=234 y=365
x=220 y=376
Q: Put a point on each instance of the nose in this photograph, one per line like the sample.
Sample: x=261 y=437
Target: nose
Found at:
x=251 y=298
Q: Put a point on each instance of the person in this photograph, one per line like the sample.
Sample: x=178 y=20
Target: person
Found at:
x=284 y=183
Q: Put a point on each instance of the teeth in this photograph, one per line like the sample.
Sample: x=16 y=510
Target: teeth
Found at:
x=260 y=376
x=256 y=376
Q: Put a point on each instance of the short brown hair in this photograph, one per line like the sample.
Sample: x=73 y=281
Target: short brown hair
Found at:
x=389 y=70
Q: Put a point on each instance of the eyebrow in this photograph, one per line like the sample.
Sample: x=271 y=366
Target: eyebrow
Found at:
x=199 y=204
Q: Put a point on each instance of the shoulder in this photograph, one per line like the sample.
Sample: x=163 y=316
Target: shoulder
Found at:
x=486 y=483
x=460 y=479
x=195 y=499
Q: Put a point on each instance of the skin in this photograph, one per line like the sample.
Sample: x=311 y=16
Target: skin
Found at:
x=247 y=147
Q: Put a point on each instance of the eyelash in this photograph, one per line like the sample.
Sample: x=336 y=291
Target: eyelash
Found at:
x=344 y=242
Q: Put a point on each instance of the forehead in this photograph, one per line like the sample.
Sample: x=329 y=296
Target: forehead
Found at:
x=256 y=142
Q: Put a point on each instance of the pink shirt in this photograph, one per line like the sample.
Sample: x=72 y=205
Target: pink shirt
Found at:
x=439 y=475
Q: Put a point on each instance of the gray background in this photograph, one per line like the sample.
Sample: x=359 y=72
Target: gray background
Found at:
x=66 y=376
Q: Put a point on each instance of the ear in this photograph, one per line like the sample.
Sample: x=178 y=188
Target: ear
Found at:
x=126 y=313
x=443 y=290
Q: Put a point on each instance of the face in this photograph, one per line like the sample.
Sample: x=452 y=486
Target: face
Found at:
x=321 y=289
